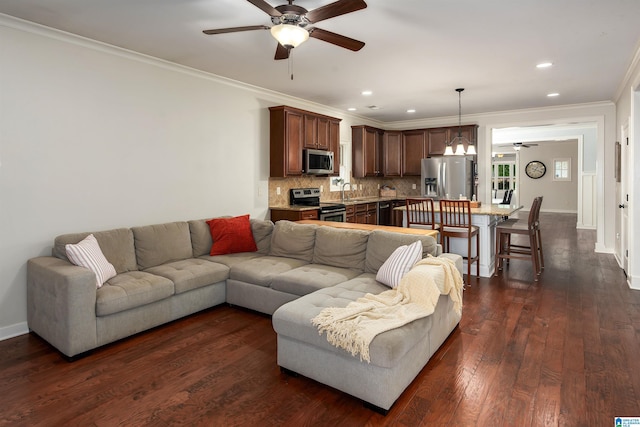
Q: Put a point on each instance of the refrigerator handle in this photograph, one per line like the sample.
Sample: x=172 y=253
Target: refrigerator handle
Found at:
x=443 y=180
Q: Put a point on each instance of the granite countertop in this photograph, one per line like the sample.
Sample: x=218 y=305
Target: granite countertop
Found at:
x=484 y=209
x=349 y=202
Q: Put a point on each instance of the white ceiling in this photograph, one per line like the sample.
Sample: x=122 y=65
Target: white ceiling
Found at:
x=417 y=51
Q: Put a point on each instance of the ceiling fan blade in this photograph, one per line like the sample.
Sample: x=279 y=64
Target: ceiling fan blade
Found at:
x=265 y=7
x=337 y=39
x=235 y=29
x=335 y=9
x=281 y=52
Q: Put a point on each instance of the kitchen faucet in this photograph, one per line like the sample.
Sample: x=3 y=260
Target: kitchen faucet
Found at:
x=343 y=185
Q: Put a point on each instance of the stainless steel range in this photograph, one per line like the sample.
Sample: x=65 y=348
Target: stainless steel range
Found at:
x=328 y=211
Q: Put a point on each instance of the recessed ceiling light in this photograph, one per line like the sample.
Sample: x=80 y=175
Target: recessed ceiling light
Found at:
x=367 y=92
x=544 y=65
x=351 y=109
x=552 y=95
x=411 y=110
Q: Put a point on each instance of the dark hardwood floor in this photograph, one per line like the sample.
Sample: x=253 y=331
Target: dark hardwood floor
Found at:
x=561 y=351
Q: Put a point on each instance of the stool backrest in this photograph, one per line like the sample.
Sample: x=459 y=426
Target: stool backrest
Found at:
x=420 y=212
x=534 y=212
x=455 y=213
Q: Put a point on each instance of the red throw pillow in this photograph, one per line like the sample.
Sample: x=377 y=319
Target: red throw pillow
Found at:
x=231 y=235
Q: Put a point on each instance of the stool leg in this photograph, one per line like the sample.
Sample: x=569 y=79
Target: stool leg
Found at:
x=539 y=241
x=478 y=254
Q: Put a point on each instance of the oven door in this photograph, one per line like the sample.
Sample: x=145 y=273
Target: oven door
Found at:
x=335 y=215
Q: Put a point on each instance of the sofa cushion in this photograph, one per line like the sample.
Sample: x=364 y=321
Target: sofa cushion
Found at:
x=261 y=271
x=201 y=236
x=231 y=235
x=340 y=247
x=162 y=243
x=399 y=264
x=381 y=245
x=291 y=240
x=191 y=273
x=386 y=350
x=129 y=290
x=311 y=277
x=231 y=259
x=87 y=254
x=116 y=245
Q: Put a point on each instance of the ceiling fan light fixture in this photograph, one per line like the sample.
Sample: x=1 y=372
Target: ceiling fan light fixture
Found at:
x=289 y=35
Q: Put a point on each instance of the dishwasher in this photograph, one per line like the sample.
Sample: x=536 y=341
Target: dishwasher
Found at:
x=384 y=213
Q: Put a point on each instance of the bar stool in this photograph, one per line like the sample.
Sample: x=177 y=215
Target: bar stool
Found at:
x=455 y=221
x=526 y=250
x=504 y=248
x=421 y=212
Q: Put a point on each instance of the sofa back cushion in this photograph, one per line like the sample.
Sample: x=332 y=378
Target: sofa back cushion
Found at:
x=381 y=245
x=116 y=245
x=341 y=248
x=162 y=243
x=201 y=235
x=293 y=240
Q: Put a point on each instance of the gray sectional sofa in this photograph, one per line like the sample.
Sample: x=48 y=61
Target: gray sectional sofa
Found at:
x=165 y=272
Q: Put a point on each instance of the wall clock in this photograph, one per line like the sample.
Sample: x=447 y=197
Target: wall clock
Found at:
x=535 y=169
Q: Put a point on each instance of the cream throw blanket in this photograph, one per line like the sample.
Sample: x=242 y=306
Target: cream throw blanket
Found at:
x=354 y=327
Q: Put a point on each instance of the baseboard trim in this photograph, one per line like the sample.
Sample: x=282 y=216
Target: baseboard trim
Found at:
x=11 y=331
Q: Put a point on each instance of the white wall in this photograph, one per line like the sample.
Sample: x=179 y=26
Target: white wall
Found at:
x=558 y=196
x=93 y=137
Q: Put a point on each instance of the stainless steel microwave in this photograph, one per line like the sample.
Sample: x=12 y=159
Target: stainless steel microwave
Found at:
x=318 y=162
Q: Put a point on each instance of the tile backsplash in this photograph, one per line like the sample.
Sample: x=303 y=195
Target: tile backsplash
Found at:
x=403 y=187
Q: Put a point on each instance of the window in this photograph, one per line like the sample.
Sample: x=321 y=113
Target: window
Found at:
x=503 y=179
x=562 y=169
x=335 y=184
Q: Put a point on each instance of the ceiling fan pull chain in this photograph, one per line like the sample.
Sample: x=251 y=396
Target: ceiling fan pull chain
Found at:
x=290 y=60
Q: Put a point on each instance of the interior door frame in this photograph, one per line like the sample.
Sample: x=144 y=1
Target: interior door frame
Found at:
x=623 y=204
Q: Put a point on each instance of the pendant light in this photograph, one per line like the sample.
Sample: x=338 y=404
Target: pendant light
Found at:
x=460 y=140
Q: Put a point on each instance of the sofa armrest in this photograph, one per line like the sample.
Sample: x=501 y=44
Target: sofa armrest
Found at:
x=61 y=304
x=457 y=259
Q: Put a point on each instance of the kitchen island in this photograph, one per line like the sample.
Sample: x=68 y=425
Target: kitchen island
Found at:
x=485 y=217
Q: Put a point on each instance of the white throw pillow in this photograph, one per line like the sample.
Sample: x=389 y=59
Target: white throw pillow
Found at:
x=399 y=264
x=87 y=253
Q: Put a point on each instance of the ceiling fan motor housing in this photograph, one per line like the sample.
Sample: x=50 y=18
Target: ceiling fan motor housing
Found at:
x=291 y=14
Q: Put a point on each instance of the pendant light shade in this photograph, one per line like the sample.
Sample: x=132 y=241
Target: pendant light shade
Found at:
x=289 y=36
x=459 y=141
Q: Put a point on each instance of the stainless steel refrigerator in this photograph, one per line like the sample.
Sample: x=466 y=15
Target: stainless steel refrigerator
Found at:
x=448 y=177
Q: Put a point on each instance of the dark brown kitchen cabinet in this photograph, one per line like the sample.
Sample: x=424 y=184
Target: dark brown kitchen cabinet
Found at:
x=351 y=214
x=316 y=132
x=438 y=138
x=392 y=153
x=413 y=150
x=292 y=130
x=366 y=213
x=366 y=151
x=289 y=215
x=334 y=141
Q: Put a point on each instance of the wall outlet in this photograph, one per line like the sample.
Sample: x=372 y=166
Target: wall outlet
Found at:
x=278 y=191
x=378 y=186
x=322 y=188
x=360 y=187
x=413 y=186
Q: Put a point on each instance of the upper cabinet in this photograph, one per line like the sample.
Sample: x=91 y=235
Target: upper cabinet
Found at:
x=437 y=138
x=398 y=153
x=413 y=151
x=392 y=153
x=366 y=150
x=316 y=132
x=291 y=131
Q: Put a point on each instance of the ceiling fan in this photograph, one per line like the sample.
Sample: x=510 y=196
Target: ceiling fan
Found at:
x=518 y=145
x=290 y=24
